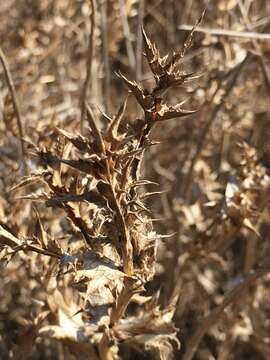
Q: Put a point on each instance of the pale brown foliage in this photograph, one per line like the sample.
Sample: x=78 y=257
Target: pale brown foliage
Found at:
x=143 y=222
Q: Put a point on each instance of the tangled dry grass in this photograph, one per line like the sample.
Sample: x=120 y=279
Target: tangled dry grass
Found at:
x=135 y=181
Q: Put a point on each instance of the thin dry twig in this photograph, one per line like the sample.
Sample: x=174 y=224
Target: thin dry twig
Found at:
x=16 y=107
x=139 y=48
x=127 y=34
x=89 y=61
x=227 y=33
x=105 y=54
x=8 y=239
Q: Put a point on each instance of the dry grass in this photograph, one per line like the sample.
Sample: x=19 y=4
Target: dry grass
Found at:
x=134 y=203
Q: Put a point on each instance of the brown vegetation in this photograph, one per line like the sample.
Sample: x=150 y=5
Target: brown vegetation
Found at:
x=135 y=181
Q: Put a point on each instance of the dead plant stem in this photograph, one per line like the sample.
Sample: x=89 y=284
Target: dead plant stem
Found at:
x=16 y=107
x=89 y=61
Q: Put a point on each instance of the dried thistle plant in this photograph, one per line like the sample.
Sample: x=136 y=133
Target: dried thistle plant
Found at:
x=110 y=249
x=85 y=271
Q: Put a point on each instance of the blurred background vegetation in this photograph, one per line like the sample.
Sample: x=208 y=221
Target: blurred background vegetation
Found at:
x=211 y=167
